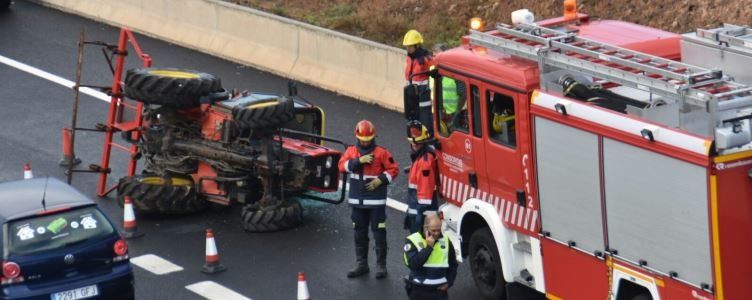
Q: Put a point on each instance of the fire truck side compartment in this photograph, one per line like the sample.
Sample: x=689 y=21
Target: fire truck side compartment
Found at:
x=569 y=184
x=657 y=211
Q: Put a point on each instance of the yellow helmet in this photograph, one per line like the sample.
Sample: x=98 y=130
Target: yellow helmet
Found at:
x=417 y=133
x=412 y=37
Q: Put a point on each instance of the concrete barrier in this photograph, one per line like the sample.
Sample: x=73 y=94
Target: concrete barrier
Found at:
x=349 y=65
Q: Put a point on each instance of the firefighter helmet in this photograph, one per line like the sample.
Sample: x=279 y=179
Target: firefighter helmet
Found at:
x=417 y=133
x=364 y=131
x=412 y=37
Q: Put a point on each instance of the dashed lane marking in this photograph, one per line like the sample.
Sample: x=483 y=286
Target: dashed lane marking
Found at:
x=155 y=264
x=212 y=290
x=397 y=205
x=52 y=77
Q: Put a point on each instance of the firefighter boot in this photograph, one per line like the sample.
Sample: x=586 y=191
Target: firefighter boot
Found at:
x=361 y=267
x=381 y=263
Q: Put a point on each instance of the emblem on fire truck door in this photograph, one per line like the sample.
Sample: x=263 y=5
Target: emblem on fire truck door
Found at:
x=468 y=146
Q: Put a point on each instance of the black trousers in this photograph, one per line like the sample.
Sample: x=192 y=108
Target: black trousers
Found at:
x=374 y=217
x=423 y=292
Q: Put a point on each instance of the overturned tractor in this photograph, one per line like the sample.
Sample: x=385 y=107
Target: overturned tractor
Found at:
x=200 y=143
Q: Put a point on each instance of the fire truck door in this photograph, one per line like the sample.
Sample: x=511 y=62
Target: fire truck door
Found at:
x=459 y=133
x=504 y=170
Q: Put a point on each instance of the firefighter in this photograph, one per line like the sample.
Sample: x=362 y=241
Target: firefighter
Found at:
x=432 y=262
x=371 y=169
x=417 y=64
x=422 y=196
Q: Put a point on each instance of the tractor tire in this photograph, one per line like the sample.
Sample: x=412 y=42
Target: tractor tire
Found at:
x=154 y=195
x=177 y=88
x=485 y=265
x=274 y=218
x=264 y=114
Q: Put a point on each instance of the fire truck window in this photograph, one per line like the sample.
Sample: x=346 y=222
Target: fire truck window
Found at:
x=477 y=131
x=453 y=114
x=501 y=119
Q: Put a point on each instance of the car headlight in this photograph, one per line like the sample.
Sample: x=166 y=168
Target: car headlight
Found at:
x=326 y=181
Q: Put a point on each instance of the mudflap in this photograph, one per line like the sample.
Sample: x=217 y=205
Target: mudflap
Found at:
x=516 y=291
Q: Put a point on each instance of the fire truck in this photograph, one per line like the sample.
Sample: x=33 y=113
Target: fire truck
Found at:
x=592 y=159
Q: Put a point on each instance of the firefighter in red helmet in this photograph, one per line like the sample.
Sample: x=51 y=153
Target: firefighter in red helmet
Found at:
x=371 y=169
x=422 y=189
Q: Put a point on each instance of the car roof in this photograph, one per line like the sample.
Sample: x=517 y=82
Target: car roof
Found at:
x=23 y=198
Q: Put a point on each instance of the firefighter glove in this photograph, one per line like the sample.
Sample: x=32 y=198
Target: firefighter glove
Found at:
x=374 y=184
x=366 y=159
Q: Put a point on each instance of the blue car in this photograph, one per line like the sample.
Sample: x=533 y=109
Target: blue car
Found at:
x=57 y=245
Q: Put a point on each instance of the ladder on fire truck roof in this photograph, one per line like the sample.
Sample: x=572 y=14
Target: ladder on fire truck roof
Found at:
x=684 y=83
x=729 y=34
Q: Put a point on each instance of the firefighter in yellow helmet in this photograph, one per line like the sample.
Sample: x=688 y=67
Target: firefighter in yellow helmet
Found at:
x=417 y=92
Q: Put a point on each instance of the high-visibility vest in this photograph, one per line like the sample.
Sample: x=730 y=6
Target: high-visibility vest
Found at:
x=449 y=94
x=434 y=270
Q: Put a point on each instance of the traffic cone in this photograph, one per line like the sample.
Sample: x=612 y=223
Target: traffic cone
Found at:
x=68 y=156
x=27 y=171
x=130 y=230
x=303 y=287
x=212 y=265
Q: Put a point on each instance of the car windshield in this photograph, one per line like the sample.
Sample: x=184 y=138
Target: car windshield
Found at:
x=58 y=230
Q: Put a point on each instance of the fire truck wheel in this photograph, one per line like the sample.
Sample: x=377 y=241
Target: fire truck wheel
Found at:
x=177 y=88
x=485 y=265
x=264 y=114
x=271 y=218
x=156 y=195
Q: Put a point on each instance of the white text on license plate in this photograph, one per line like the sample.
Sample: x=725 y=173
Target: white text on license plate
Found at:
x=79 y=293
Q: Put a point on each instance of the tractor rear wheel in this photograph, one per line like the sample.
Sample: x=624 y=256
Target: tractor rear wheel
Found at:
x=286 y=215
x=172 y=87
x=158 y=195
x=264 y=114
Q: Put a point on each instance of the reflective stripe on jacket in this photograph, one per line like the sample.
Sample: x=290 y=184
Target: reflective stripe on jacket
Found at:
x=383 y=167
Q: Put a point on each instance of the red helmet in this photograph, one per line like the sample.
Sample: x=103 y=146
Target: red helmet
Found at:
x=364 y=131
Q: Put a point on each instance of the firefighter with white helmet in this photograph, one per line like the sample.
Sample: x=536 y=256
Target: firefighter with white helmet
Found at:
x=422 y=195
x=371 y=169
x=417 y=92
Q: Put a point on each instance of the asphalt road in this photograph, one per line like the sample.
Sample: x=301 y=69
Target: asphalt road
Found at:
x=261 y=266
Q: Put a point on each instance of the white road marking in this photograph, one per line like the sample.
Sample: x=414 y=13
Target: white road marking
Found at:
x=397 y=205
x=54 y=78
x=213 y=290
x=155 y=264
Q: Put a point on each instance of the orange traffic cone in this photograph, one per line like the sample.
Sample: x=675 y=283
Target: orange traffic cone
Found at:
x=27 y=171
x=130 y=230
x=212 y=265
x=68 y=156
x=303 y=287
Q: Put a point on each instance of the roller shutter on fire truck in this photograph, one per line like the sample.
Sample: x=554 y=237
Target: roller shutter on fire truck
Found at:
x=598 y=193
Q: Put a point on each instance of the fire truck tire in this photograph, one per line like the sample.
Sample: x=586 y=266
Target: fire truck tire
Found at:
x=264 y=114
x=272 y=218
x=485 y=265
x=172 y=87
x=154 y=195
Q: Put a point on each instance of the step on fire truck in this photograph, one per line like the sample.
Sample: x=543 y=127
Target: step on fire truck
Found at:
x=590 y=161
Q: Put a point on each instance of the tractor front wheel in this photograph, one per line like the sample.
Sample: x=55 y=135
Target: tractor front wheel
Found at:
x=172 y=87
x=158 y=195
x=264 y=114
x=257 y=218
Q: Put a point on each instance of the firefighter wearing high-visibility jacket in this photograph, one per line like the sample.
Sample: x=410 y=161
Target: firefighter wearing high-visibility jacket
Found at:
x=432 y=262
x=422 y=195
x=417 y=64
x=371 y=169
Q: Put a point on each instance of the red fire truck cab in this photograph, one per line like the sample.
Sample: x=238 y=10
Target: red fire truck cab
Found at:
x=584 y=160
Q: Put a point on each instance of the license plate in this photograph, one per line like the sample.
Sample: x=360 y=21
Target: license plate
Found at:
x=79 y=293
